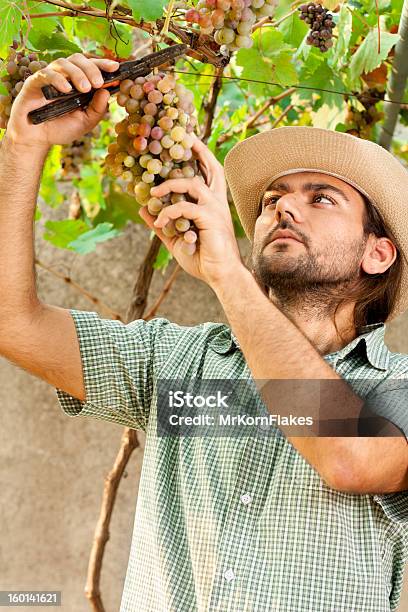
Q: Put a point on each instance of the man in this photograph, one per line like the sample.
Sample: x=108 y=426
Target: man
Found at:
x=285 y=520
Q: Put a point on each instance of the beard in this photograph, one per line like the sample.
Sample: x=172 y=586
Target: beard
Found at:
x=299 y=280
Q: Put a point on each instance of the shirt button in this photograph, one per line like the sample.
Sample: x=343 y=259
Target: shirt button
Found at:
x=229 y=575
x=246 y=498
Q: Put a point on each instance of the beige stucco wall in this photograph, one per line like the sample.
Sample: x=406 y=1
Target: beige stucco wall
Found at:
x=52 y=468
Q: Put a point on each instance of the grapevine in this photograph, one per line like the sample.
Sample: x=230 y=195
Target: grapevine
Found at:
x=154 y=143
x=19 y=66
x=74 y=155
x=361 y=122
x=321 y=25
x=230 y=21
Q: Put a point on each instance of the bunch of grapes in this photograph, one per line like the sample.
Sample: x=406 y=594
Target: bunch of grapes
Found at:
x=321 y=25
x=154 y=143
x=232 y=20
x=19 y=66
x=361 y=122
x=74 y=155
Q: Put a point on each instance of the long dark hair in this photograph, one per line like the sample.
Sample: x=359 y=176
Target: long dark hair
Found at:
x=374 y=294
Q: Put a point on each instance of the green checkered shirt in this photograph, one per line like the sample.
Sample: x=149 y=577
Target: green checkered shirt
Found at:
x=239 y=524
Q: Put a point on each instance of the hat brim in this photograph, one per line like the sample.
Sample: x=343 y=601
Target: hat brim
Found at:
x=252 y=164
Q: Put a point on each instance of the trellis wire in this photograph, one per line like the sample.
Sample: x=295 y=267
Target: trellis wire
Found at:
x=333 y=91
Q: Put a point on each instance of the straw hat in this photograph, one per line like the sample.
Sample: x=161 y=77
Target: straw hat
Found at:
x=252 y=164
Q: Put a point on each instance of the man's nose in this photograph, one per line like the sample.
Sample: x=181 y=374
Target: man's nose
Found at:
x=288 y=206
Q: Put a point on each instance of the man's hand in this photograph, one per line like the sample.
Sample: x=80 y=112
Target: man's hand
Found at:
x=217 y=250
x=84 y=73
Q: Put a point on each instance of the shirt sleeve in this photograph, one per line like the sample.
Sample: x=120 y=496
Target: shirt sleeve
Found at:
x=395 y=507
x=389 y=399
x=119 y=362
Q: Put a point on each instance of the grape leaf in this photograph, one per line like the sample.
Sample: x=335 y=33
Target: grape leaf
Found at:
x=53 y=43
x=282 y=9
x=119 y=209
x=86 y=242
x=324 y=78
x=293 y=30
x=330 y=4
x=49 y=189
x=98 y=32
x=10 y=24
x=269 y=59
x=163 y=258
x=47 y=25
x=344 y=24
x=149 y=10
x=62 y=233
x=327 y=118
x=218 y=128
x=366 y=58
x=90 y=185
x=370 y=6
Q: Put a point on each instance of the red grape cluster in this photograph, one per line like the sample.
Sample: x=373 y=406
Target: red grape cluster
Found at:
x=230 y=20
x=321 y=25
x=19 y=66
x=154 y=143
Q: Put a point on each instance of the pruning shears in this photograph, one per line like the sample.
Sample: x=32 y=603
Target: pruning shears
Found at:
x=64 y=103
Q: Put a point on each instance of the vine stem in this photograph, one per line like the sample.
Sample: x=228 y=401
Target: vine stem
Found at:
x=273 y=23
x=89 y=296
x=200 y=45
x=164 y=293
x=277 y=120
x=54 y=14
x=267 y=104
x=362 y=19
x=211 y=104
x=169 y=11
x=129 y=442
x=252 y=120
x=141 y=287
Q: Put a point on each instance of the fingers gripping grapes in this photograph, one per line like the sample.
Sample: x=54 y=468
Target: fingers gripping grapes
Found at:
x=217 y=247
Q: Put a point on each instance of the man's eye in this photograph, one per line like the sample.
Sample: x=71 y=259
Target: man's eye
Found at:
x=272 y=199
x=322 y=195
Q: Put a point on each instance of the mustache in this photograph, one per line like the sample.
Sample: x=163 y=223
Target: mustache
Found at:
x=284 y=226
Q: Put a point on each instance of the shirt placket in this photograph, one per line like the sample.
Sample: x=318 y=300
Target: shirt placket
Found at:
x=230 y=579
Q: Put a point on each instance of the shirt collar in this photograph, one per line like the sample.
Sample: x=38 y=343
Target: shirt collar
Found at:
x=372 y=336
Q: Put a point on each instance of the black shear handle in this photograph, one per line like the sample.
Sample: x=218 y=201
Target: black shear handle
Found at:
x=60 y=107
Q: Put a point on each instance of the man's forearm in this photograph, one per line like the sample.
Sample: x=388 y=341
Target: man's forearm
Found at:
x=20 y=173
x=279 y=354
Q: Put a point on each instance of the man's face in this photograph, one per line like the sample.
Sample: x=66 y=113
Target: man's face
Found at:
x=326 y=214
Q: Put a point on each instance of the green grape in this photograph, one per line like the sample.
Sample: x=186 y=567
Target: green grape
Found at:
x=154 y=143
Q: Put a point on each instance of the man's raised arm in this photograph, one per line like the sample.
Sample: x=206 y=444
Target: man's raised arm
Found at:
x=35 y=336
